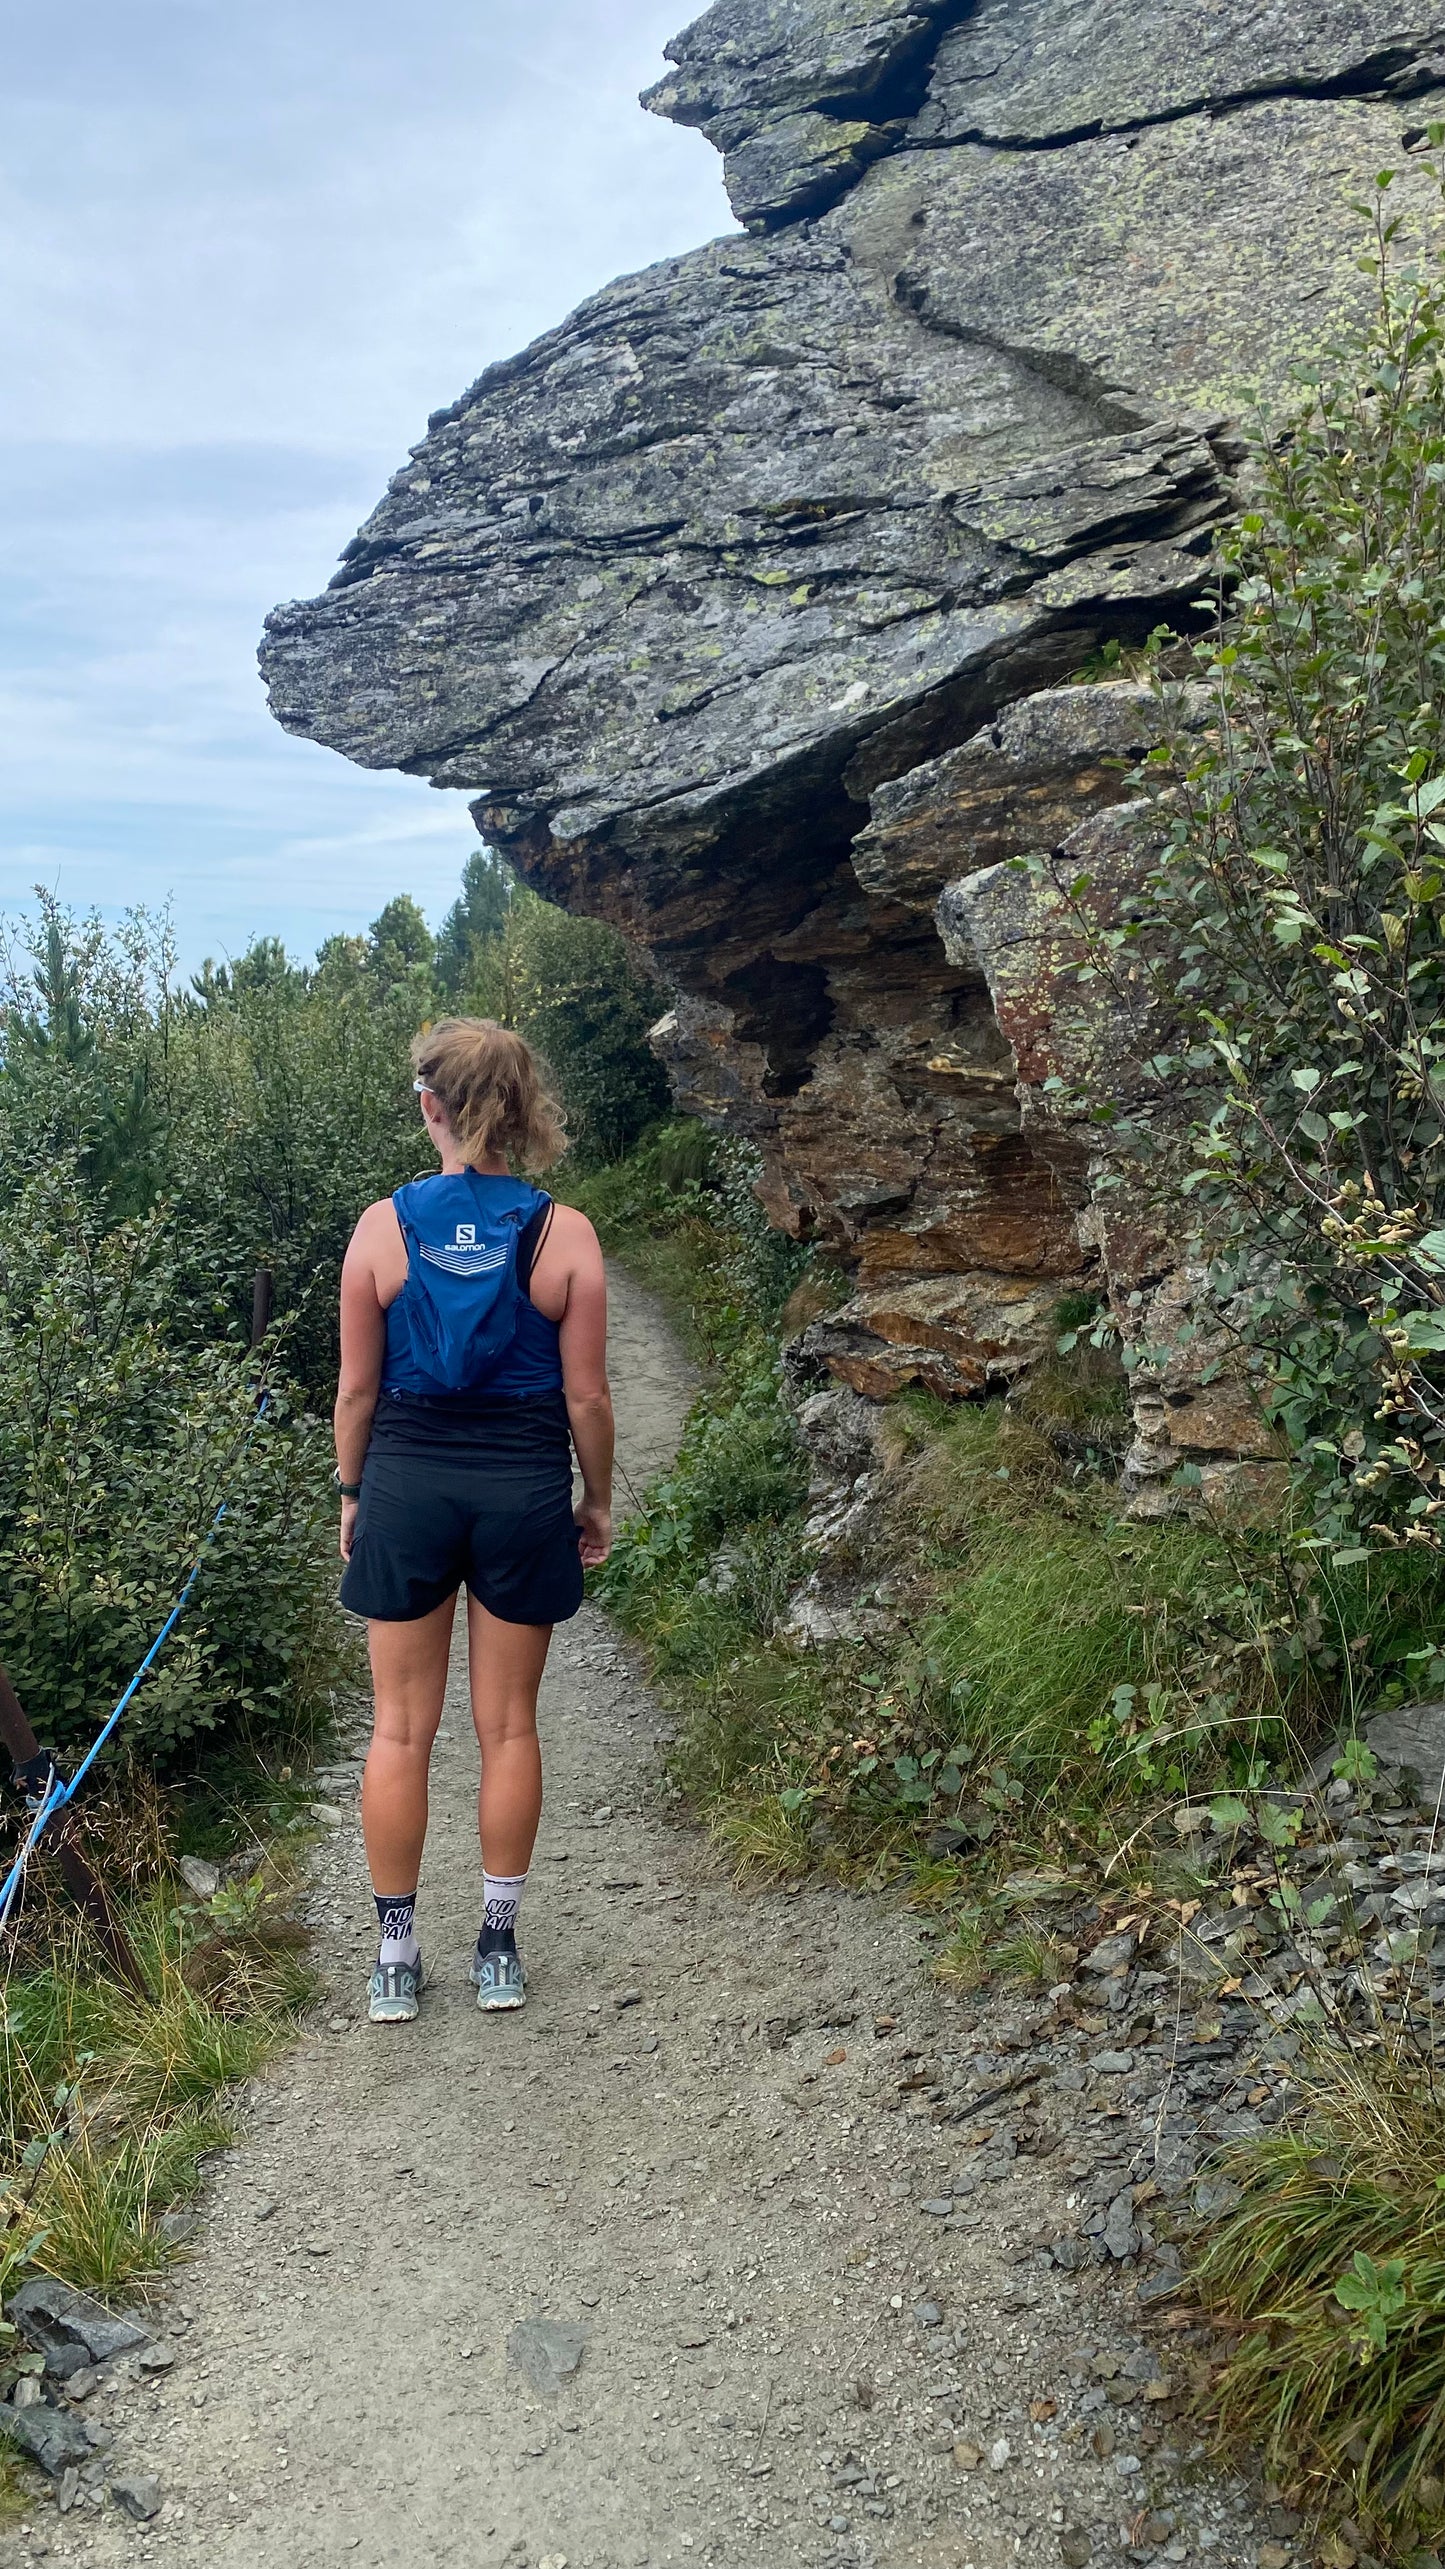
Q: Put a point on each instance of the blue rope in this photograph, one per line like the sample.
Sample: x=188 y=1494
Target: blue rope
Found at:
x=57 y=1794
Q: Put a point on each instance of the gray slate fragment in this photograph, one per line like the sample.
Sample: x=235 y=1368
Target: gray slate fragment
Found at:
x=548 y=2351
x=1120 y=2234
x=801 y=164
x=199 y=1876
x=1160 y=2286
x=1413 y=1736
x=1111 y=1952
x=1214 y=2196
x=138 y=2493
x=71 y=2329
x=51 y=2437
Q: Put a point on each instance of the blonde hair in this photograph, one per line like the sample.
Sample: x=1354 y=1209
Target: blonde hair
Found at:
x=491 y=1088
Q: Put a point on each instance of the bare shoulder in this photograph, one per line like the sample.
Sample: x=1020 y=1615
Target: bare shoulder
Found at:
x=574 y=1240
x=376 y=1229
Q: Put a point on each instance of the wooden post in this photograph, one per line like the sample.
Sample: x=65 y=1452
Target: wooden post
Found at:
x=262 y=1296
x=88 y=1893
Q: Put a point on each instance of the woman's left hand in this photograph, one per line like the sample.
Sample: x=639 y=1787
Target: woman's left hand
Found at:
x=348 y=1526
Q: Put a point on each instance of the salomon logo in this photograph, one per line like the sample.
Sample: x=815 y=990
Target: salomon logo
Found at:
x=466 y=1235
x=478 y=1260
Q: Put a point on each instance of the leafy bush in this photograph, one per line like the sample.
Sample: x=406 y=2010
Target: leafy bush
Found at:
x=264 y=1107
x=576 y=991
x=117 y=1444
x=1302 y=908
x=740 y=1471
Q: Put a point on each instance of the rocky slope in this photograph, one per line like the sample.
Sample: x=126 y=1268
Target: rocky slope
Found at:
x=749 y=599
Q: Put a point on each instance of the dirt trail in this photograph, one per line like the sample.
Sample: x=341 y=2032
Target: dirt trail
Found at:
x=706 y=2156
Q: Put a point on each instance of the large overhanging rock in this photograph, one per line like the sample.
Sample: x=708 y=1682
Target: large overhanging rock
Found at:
x=750 y=601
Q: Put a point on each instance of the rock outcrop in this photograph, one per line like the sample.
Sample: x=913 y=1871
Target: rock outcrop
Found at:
x=753 y=600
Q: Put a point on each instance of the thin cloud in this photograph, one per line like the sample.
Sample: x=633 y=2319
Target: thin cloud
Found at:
x=242 y=254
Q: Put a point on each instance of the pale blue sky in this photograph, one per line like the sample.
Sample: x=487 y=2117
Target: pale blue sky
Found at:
x=243 y=251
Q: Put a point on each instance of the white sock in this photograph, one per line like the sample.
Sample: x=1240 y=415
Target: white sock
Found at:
x=503 y=1896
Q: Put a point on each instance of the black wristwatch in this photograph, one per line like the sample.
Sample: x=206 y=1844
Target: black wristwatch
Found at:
x=348 y=1489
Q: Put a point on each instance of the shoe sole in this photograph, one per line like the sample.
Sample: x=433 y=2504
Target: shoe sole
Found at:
x=392 y=2015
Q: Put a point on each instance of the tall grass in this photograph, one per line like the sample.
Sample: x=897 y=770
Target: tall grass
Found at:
x=110 y=2103
x=1330 y=2275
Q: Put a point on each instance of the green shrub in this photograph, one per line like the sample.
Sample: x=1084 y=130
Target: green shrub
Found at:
x=578 y=992
x=1296 y=930
x=740 y=1475
x=117 y=1445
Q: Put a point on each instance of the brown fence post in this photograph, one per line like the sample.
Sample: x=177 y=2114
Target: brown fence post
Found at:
x=87 y=1891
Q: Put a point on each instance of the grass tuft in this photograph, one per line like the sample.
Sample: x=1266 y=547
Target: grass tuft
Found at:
x=764 y=1837
x=1330 y=2274
x=1032 y=1955
x=964 y=1962
x=109 y=2105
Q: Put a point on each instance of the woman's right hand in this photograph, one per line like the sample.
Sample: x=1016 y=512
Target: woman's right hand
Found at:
x=594 y=1527
x=348 y=1526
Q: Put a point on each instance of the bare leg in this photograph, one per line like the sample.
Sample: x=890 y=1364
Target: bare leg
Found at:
x=507 y=1660
x=409 y=1678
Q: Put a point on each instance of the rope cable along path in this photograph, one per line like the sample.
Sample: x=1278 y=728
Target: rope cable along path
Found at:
x=50 y=1792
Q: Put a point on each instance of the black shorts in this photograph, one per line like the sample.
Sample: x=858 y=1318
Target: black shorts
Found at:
x=477 y=1492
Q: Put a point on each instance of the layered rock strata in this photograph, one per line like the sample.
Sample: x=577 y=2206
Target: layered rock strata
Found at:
x=752 y=600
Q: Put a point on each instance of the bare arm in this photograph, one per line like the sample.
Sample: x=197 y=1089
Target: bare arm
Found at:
x=363 y=1344
x=583 y=1339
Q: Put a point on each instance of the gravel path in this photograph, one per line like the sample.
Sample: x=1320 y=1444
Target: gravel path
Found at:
x=689 y=2262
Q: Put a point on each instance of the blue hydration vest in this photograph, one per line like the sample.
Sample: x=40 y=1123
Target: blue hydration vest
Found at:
x=454 y=1323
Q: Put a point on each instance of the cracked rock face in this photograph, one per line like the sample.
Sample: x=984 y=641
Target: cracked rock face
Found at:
x=750 y=600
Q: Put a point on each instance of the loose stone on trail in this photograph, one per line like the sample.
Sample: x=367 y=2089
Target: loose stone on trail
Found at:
x=51 y=2437
x=69 y=2328
x=137 y=2493
x=548 y=2351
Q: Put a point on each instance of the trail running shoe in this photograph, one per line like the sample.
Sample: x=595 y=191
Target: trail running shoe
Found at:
x=395 y=1991
x=498 y=1978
